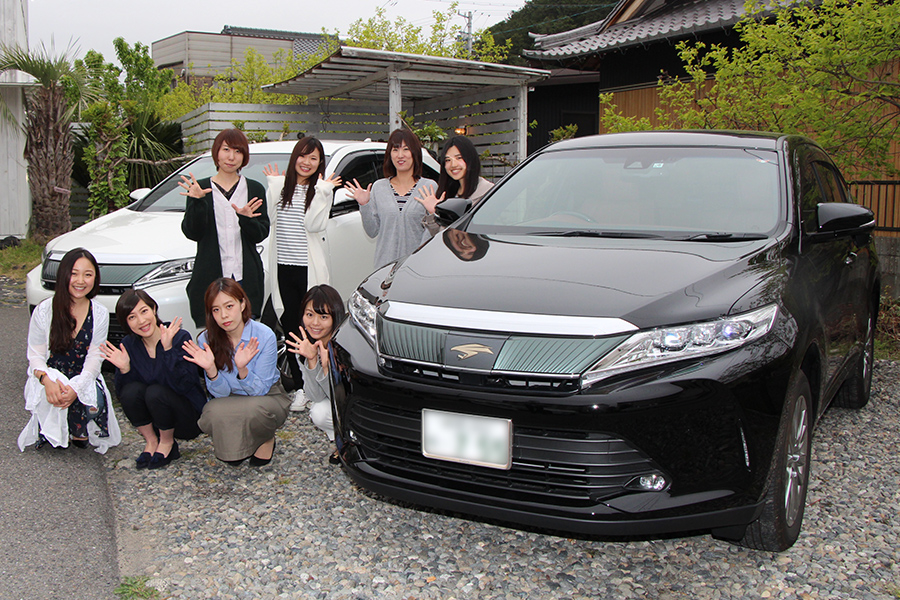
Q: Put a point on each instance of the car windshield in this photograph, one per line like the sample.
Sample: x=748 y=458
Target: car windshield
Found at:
x=698 y=194
x=166 y=197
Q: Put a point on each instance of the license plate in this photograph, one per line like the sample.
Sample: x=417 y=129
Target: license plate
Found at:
x=470 y=439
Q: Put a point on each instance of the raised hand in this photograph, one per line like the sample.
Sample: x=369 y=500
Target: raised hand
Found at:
x=269 y=171
x=202 y=357
x=334 y=179
x=118 y=357
x=303 y=346
x=167 y=333
x=244 y=353
x=427 y=198
x=249 y=209
x=358 y=192
x=191 y=187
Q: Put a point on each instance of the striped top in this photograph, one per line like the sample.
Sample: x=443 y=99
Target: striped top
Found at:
x=290 y=231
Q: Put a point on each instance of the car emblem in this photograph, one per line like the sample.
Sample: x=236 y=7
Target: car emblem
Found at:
x=470 y=350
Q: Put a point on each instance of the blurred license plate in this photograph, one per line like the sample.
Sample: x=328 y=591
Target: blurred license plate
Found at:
x=469 y=439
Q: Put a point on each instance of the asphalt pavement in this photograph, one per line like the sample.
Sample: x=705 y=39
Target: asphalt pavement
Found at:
x=57 y=538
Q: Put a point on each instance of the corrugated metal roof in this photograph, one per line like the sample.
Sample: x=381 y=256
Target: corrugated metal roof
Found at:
x=670 y=21
x=363 y=74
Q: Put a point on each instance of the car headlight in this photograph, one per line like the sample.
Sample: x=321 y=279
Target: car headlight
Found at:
x=670 y=344
x=174 y=270
x=363 y=314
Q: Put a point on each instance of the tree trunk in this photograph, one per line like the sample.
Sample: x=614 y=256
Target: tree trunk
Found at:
x=48 y=150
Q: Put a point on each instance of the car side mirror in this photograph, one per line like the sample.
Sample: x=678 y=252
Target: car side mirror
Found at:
x=139 y=194
x=450 y=210
x=841 y=218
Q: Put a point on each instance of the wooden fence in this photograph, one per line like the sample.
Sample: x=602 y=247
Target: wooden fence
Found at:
x=490 y=120
x=882 y=197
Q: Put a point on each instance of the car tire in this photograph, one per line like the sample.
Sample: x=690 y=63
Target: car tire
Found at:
x=854 y=392
x=778 y=527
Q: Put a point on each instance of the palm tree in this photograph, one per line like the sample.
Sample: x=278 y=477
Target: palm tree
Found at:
x=60 y=93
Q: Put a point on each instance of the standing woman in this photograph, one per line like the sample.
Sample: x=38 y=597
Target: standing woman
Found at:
x=460 y=178
x=385 y=207
x=238 y=357
x=323 y=311
x=65 y=393
x=301 y=199
x=227 y=216
x=159 y=391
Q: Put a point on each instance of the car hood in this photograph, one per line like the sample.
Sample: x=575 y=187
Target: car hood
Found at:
x=130 y=237
x=646 y=282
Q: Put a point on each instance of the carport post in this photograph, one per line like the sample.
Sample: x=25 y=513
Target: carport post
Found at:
x=395 y=99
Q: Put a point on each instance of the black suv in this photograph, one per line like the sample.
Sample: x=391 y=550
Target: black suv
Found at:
x=632 y=334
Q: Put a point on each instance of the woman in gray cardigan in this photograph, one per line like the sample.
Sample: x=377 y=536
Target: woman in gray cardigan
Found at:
x=388 y=207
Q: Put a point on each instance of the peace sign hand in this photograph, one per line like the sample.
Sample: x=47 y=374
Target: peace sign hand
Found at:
x=191 y=187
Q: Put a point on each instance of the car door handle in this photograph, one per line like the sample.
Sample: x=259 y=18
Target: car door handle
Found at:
x=850 y=259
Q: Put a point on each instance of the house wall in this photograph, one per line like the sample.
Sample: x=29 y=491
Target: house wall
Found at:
x=206 y=54
x=15 y=202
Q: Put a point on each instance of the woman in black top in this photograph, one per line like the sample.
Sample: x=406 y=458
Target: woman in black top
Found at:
x=160 y=392
x=227 y=216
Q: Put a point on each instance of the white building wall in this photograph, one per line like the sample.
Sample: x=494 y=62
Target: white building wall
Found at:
x=15 y=202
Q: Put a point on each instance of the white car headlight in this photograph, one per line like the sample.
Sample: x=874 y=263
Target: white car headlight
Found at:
x=174 y=270
x=363 y=314
x=670 y=344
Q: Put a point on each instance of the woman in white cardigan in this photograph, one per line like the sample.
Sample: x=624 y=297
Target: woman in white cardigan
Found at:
x=300 y=201
x=66 y=395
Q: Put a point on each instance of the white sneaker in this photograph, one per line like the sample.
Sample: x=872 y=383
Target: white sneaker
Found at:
x=298 y=400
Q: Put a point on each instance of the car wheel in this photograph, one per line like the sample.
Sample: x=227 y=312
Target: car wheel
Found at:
x=778 y=527
x=854 y=393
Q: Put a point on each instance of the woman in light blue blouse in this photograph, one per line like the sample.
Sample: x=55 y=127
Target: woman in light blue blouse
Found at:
x=238 y=357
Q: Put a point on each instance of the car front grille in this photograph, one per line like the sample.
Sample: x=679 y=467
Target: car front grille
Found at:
x=562 y=468
x=114 y=279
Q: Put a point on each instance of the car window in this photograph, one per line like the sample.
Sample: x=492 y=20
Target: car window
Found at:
x=166 y=197
x=832 y=186
x=678 y=190
x=359 y=166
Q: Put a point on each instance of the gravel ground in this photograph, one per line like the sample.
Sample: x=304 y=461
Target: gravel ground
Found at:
x=299 y=528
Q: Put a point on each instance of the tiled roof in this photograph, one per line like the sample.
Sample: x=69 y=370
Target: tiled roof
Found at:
x=672 y=20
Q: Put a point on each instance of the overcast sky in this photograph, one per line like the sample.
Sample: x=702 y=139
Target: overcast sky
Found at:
x=96 y=23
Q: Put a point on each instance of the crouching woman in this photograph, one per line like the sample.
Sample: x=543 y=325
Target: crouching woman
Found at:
x=238 y=356
x=65 y=393
x=159 y=391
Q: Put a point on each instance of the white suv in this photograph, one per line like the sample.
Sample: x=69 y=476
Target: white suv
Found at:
x=142 y=245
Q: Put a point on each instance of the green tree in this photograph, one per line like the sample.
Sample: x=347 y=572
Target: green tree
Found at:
x=444 y=39
x=828 y=70
x=61 y=93
x=126 y=145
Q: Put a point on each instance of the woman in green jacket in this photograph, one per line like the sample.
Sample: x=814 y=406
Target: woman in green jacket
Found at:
x=227 y=216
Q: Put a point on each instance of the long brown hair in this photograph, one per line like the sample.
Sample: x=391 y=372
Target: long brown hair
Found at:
x=306 y=145
x=216 y=337
x=62 y=323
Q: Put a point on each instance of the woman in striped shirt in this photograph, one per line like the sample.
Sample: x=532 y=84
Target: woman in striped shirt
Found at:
x=301 y=198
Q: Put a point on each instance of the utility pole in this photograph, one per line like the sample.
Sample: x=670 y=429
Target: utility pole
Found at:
x=468 y=17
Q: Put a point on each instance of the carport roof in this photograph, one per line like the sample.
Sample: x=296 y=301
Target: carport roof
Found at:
x=363 y=74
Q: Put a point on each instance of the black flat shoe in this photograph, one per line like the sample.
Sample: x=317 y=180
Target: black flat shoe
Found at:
x=158 y=461
x=234 y=463
x=143 y=461
x=79 y=443
x=334 y=458
x=261 y=462
x=42 y=441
